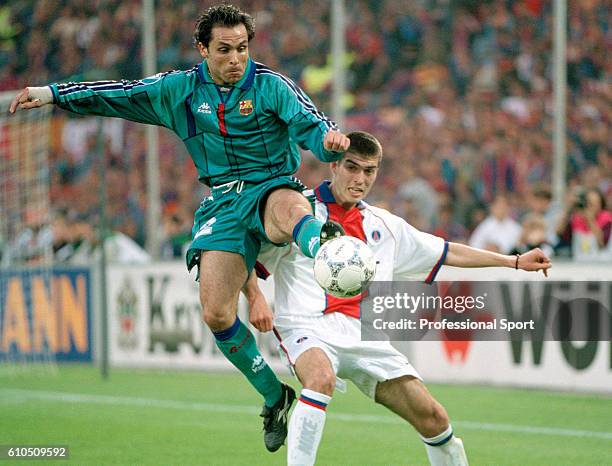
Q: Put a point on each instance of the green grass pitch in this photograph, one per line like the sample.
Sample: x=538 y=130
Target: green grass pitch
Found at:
x=189 y=418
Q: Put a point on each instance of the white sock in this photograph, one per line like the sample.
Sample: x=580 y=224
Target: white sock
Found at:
x=445 y=449
x=306 y=428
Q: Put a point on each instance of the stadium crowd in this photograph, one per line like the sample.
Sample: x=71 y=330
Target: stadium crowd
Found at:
x=458 y=92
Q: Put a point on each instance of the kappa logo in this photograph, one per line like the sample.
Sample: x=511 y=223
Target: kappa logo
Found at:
x=235 y=348
x=312 y=243
x=258 y=363
x=206 y=229
x=204 y=108
x=301 y=340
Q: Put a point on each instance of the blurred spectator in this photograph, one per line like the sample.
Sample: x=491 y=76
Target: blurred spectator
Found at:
x=498 y=232
x=591 y=224
x=412 y=214
x=540 y=203
x=63 y=235
x=33 y=245
x=176 y=236
x=533 y=235
x=119 y=248
x=563 y=246
x=75 y=241
x=422 y=197
x=458 y=93
x=448 y=228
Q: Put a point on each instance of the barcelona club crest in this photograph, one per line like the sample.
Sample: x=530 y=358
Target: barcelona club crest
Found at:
x=246 y=107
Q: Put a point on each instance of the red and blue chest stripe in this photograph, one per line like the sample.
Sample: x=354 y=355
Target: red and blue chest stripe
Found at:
x=352 y=222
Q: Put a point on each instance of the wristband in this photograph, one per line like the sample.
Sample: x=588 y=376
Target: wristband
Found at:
x=43 y=94
x=517 y=259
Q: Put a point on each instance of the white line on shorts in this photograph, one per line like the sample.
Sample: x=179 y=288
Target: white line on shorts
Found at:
x=14 y=396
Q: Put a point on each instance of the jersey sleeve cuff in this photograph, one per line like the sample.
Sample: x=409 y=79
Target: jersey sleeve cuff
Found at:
x=434 y=272
x=330 y=156
x=55 y=94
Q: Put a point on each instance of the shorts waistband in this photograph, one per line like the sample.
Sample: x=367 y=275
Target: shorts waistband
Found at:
x=227 y=187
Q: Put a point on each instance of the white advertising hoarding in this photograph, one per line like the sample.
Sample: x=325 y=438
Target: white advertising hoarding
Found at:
x=580 y=366
x=155 y=321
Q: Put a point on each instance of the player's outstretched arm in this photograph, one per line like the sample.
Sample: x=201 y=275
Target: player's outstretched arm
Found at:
x=460 y=255
x=31 y=97
x=260 y=314
x=149 y=100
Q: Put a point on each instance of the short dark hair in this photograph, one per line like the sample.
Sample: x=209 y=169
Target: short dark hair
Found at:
x=601 y=196
x=365 y=145
x=221 y=15
x=542 y=191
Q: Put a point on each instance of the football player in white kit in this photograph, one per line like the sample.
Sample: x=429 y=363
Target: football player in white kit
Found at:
x=321 y=335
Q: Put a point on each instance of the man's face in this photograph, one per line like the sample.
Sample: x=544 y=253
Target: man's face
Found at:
x=352 y=178
x=499 y=208
x=227 y=53
x=593 y=202
x=540 y=204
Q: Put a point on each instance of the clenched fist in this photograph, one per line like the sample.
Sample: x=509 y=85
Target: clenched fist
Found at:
x=335 y=141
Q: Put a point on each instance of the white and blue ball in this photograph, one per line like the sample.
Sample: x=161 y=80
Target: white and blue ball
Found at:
x=343 y=266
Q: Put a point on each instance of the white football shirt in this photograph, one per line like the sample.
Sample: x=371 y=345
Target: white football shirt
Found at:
x=402 y=252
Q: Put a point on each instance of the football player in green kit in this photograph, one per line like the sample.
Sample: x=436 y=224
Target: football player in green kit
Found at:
x=240 y=122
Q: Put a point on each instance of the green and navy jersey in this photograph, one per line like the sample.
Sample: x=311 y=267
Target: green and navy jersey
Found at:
x=246 y=131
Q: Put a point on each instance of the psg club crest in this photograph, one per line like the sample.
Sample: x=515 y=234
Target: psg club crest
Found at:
x=246 y=107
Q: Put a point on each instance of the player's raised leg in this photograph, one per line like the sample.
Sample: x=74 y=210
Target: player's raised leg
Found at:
x=288 y=215
x=222 y=275
x=408 y=397
x=318 y=379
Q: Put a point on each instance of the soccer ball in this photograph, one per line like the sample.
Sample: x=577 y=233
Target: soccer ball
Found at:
x=342 y=265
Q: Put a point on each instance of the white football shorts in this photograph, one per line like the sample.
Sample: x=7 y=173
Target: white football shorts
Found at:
x=365 y=363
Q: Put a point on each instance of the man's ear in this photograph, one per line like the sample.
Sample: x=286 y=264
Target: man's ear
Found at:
x=334 y=167
x=203 y=50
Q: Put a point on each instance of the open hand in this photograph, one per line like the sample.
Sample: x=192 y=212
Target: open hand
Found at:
x=31 y=97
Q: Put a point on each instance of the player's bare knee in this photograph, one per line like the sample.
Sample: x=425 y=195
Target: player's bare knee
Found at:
x=298 y=207
x=433 y=421
x=322 y=381
x=217 y=318
x=287 y=205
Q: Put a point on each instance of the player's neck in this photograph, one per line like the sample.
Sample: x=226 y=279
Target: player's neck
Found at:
x=346 y=205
